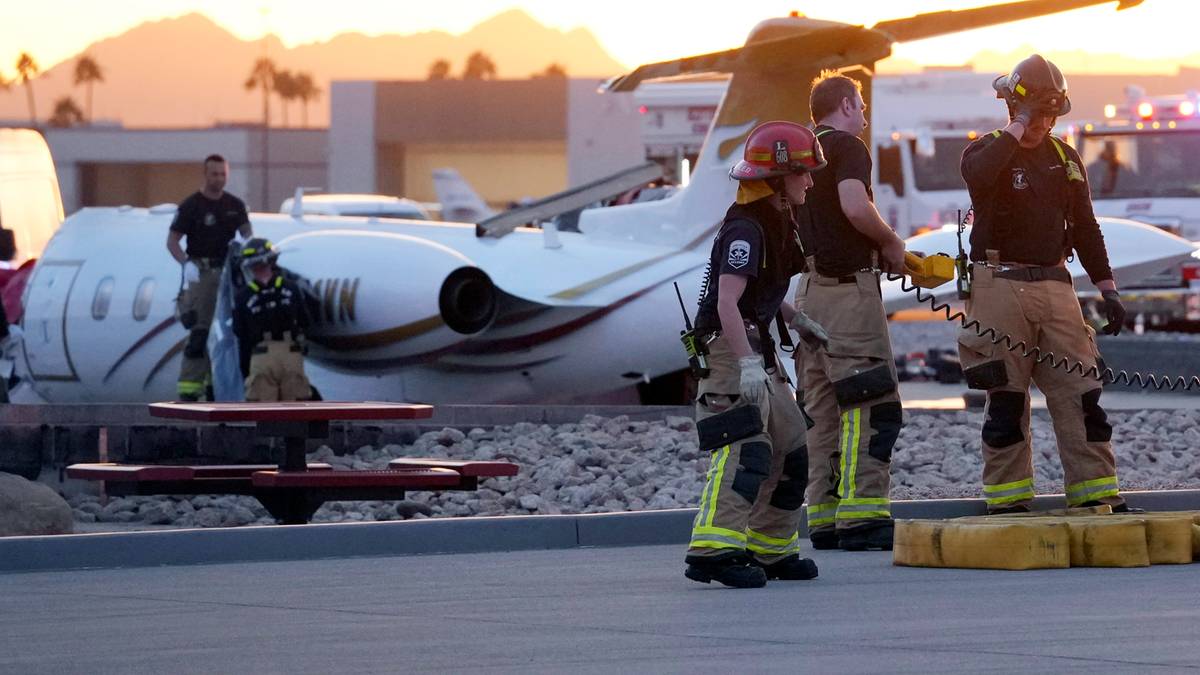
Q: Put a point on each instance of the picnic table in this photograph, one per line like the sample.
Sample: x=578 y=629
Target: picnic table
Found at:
x=295 y=489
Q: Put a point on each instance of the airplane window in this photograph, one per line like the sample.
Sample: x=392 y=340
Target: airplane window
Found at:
x=143 y=298
x=103 y=298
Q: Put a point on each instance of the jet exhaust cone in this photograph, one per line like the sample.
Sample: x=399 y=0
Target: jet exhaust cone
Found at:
x=468 y=300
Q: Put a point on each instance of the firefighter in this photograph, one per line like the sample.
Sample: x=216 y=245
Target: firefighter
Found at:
x=1032 y=212
x=849 y=387
x=747 y=529
x=270 y=315
x=209 y=219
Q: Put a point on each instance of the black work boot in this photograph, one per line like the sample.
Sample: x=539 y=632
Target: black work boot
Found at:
x=1119 y=508
x=791 y=568
x=872 y=536
x=731 y=569
x=1008 y=510
x=823 y=540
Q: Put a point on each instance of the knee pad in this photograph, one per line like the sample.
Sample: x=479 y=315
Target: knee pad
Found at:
x=864 y=386
x=886 y=420
x=729 y=426
x=197 y=341
x=754 y=463
x=789 y=492
x=986 y=375
x=1002 y=427
x=1095 y=420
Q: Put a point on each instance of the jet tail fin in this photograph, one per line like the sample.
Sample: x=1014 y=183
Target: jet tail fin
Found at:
x=460 y=202
x=30 y=203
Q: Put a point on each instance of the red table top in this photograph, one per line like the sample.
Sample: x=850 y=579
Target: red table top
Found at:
x=291 y=411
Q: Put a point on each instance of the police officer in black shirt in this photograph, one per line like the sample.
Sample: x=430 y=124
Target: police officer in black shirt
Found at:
x=850 y=388
x=270 y=316
x=208 y=220
x=747 y=529
x=1033 y=210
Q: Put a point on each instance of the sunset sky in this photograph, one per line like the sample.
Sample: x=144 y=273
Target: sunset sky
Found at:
x=633 y=32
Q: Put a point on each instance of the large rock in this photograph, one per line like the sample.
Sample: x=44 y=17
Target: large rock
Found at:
x=28 y=508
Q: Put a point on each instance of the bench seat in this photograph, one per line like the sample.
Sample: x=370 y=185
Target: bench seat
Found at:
x=465 y=467
x=409 y=479
x=137 y=473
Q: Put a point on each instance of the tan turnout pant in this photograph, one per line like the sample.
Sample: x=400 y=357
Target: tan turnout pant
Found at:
x=850 y=395
x=195 y=309
x=277 y=373
x=755 y=484
x=1044 y=314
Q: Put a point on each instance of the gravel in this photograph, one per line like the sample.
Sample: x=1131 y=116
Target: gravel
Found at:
x=616 y=464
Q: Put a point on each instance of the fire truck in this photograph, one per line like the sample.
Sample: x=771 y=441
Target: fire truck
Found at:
x=1141 y=164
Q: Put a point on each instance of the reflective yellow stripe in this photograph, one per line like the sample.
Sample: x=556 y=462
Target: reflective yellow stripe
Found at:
x=1006 y=493
x=821 y=514
x=1057 y=146
x=759 y=156
x=1091 y=490
x=853 y=447
x=864 y=507
x=190 y=387
x=706 y=499
x=996 y=134
x=716 y=484
x=1020 y=89
x=1002 y=487
x=753 y=535
x=717 y=537
x=823 y=132
x=843 y=455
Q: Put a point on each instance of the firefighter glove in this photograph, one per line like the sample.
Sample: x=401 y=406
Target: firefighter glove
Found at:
x=191 y=273
x=1036 y=105
x=1114 y=311
x=810 y=331
x=755 y=384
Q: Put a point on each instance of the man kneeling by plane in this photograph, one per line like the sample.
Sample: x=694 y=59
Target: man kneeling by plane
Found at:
x=270 y=315
x=747 y=529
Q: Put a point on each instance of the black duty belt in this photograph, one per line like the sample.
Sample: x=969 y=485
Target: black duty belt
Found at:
x=1034 y=274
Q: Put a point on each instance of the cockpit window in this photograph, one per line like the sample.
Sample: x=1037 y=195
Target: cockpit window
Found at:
x=143 y=298
x=103 y=298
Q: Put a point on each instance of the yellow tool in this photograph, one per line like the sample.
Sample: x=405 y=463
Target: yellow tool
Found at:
x=930 y=271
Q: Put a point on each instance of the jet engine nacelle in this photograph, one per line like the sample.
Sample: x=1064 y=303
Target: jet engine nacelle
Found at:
x=387 y=299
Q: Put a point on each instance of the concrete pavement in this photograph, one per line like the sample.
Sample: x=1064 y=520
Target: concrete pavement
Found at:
x=594 y=610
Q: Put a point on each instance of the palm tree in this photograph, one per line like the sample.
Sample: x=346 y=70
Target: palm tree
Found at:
x=439 y=70
x=306 y=90
x=66 y=113
x=27 y=69
x=88 y=73
x=262 y=76
x=552 y=70
x=284 y=84
x=479 y=67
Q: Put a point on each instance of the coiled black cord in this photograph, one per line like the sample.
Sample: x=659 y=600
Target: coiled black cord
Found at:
x=1106 y=375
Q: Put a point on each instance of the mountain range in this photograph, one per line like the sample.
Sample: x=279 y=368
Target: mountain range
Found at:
x=189 y=71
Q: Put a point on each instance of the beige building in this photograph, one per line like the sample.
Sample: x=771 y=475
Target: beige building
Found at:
x=510 y=139
x=113 y=166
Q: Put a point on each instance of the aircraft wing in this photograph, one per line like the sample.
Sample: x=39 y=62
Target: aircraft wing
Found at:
x=1135 y=251
x=833 y=45
x=569 y=200
x=934 y=24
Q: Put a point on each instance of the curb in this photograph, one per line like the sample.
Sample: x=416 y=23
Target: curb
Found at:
x=275 y=543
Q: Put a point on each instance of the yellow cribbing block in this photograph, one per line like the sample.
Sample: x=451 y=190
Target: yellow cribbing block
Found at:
x=1195 y=542
x=1169 y=539
x=930 y=271
x=1003 y=545
x=1169 y=536
x=1096 y=540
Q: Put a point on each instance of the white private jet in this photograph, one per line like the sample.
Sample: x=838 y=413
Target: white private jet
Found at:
x=455 y=312
x=460 y=202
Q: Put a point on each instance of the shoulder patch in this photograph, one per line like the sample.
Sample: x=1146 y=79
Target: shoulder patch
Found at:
x=739 y=253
